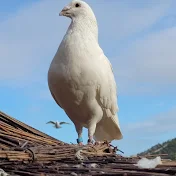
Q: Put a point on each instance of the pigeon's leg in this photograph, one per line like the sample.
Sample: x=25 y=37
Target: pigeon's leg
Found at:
x=91 y=131
x=79 y=131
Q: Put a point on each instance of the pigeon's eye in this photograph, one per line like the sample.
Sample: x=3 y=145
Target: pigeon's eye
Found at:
x=77 y=5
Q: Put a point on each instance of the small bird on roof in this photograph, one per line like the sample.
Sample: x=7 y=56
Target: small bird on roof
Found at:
x=57 y=124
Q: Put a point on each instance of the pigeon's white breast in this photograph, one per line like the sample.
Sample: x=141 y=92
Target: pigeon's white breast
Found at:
x=74 y=77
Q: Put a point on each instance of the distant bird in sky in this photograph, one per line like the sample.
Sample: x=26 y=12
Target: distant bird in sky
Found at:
x=81 y=78
x=57 y=124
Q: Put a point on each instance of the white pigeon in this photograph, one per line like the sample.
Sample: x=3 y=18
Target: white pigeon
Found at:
x=81 y=79
x=57 y=124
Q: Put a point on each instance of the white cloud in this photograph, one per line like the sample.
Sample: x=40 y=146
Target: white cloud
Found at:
x=149 y=64
x=30 y=37
x=154 y=126
x=129 y=17
x=27 y=42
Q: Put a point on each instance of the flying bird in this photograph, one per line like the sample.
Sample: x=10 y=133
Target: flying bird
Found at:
x=57 y=124
x=81 y=79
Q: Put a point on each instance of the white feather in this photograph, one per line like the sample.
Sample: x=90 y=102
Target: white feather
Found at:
x=149 y=163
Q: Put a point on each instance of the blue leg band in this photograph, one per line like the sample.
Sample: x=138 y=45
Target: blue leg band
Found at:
x=79 y=140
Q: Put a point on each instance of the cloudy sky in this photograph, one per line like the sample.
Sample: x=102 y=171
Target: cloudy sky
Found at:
x=138 y=37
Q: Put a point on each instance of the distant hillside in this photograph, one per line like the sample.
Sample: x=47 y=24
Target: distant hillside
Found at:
x=168 y=147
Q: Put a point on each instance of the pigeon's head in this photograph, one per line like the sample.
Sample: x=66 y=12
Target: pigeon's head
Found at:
x=75 y=9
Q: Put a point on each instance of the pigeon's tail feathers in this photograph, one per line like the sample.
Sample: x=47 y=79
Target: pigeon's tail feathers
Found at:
x=108 y=129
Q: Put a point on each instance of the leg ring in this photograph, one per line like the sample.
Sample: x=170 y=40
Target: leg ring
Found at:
x=79 y=140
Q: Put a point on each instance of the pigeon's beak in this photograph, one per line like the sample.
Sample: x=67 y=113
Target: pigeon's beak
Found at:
x=65 y=11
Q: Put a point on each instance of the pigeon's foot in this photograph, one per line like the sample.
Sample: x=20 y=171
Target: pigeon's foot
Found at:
x=80 y=144
x=80 y=141
x=90 y=141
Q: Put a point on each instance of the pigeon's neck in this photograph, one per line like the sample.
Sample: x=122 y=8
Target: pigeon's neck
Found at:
x=86 y=26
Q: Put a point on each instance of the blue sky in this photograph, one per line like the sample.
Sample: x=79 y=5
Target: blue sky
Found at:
x=138 y=37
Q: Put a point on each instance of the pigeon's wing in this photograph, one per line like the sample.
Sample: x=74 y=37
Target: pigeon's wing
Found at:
x=61 y=123
x=109 y=127
x=107 y=94
x=50 y=122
